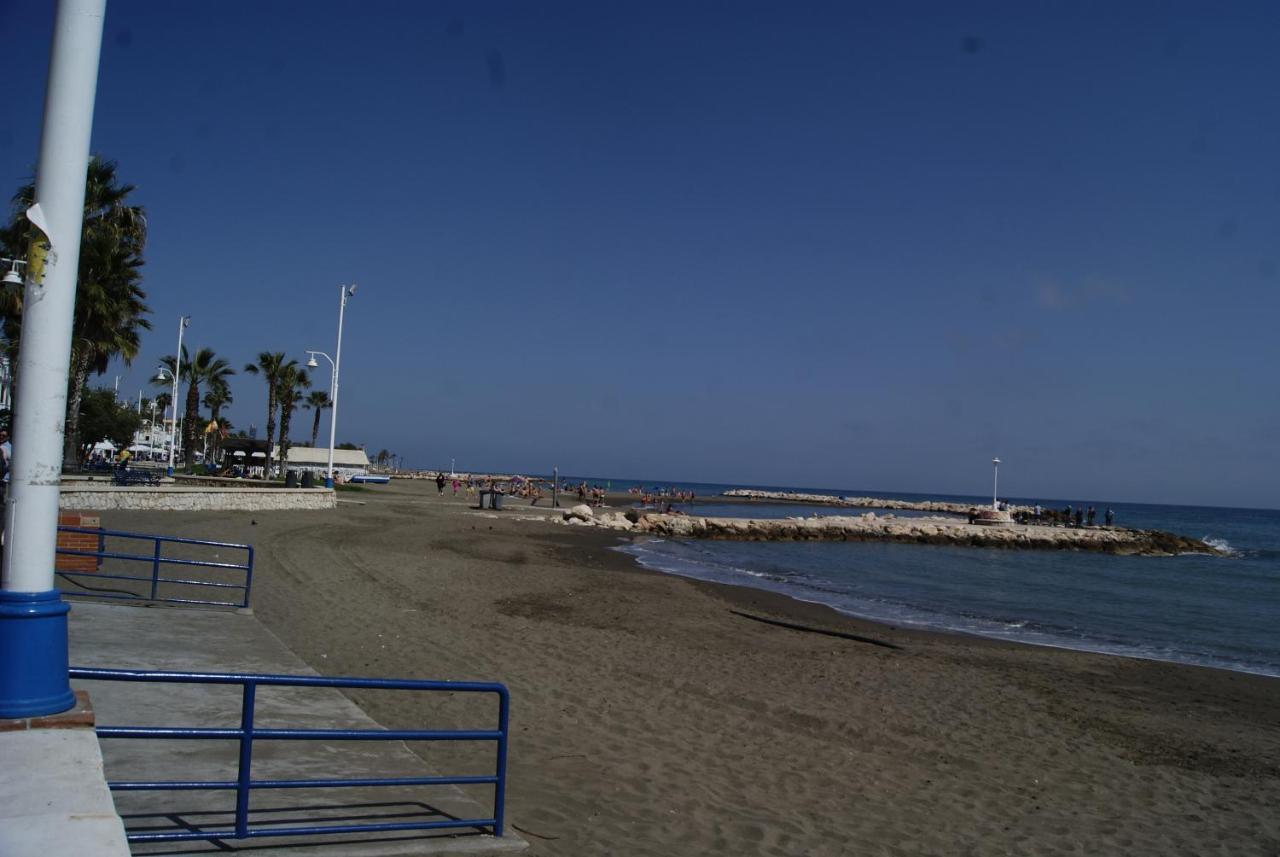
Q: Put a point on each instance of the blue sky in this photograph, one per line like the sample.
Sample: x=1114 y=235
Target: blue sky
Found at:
x=814 y=244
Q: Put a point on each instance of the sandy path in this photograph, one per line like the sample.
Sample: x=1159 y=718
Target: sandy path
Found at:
x=648 y=719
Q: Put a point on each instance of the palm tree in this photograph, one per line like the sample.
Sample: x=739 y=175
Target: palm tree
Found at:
x=270 y=366
x=317 y=401
x=110 y=310
x=293 y=380
x=205 y=368
x=218 y=397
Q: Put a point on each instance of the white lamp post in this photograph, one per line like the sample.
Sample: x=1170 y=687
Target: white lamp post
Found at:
x=33 y=617
x=183 y=321
x=995 y=487
x=335 y=363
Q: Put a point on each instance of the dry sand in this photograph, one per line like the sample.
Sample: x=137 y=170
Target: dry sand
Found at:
x=649 y=718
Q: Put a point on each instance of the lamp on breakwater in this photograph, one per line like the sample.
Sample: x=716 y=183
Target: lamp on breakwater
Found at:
x=33 y=617
x=335 y=363
x=995 y=487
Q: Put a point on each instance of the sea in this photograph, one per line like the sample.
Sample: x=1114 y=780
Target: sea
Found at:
x=1221 y=612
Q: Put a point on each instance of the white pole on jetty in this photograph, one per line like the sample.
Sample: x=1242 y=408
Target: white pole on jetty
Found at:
x=995 y=488
x=33 y=617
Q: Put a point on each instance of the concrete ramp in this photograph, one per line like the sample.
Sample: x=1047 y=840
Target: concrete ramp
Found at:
x=154 y=638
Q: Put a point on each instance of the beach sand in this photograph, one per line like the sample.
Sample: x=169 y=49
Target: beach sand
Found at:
x=649 y=718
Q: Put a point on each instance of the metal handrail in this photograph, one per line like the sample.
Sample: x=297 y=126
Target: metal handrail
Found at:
x=244 y=784
x=157 y=560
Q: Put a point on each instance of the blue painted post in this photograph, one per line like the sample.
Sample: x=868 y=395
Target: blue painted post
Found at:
x=248 y=578
x=500 y=788
x=155 y=571
x=33 y=618
x=244 y=774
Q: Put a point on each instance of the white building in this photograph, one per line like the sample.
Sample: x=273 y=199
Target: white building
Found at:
x=346 y=462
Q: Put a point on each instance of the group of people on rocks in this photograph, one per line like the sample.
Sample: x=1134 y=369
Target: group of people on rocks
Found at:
x=1071 y=516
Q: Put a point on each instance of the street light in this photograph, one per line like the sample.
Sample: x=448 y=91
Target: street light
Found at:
x=995 y=488
x=183 y=321
x=13 y=277
x=335 y=362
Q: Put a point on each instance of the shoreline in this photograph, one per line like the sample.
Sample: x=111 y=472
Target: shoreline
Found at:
x=650 y=718
x=802 y=610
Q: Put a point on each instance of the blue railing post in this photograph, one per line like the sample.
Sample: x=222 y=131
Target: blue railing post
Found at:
x=102 y=546
x=244 y=774
x=155 y=571
x=248 y=578
x=500 y=788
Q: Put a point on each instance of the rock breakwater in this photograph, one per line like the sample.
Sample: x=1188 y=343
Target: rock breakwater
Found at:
x=859 y=502
x=872 y=527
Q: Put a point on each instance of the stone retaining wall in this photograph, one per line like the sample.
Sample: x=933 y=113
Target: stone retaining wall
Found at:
x=100 y=497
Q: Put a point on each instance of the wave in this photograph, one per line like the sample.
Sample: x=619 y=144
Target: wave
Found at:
x=1221 y=544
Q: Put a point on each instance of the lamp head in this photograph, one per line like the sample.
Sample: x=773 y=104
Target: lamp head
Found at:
x=351 y=289
x=12 y=277
x=312 y=364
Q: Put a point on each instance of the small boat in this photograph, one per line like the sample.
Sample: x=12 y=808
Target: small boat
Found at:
x=370 y=479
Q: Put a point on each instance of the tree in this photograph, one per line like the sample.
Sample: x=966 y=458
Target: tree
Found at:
x=293 y=380
x=346 y=445
x=317 y=401
x=110 y=309
x=205 y=368
x=218 y=397
x=103 y=418
x=270 y=365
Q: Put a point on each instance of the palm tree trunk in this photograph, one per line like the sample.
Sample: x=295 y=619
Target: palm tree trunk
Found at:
x=71 y=440
x=271 y=424
x=315 y=427
x=286 y=416
x=189 y=426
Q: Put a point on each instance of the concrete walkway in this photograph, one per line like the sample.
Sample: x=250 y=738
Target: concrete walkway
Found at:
x=114 y=636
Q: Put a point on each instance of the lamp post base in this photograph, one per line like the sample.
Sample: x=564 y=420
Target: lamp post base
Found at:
x=328 y=482
x=33 y=636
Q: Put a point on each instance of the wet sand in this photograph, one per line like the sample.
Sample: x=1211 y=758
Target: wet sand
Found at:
x=650 y=717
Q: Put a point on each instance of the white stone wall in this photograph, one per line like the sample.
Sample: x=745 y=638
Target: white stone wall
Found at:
x=88 y=496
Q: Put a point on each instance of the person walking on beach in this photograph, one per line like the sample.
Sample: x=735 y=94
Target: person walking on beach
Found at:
x=440 y=484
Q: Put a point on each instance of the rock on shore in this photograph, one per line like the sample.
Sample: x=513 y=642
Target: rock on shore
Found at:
x=871 y=527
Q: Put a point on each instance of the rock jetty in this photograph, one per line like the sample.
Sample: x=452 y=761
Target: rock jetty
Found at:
x=888 y=528
x=859 y=502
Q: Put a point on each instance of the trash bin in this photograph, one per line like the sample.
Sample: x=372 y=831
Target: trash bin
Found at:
x=483 y=495
x=291 y=479
x=496 y=499
x=308 y=479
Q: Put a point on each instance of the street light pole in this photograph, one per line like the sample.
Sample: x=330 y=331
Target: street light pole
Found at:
x=183 y=321
x=33 y=617
x=995 y=487
x=347 y=291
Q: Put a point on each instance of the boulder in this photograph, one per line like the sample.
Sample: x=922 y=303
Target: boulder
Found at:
x=580 y=512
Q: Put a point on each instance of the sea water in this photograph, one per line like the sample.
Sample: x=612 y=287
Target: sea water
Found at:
x=1212 y=611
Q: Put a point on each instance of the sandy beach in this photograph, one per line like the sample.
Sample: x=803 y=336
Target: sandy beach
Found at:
x=650 y=716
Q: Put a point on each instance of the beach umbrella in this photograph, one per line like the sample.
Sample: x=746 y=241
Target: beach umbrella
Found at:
x=239 y=453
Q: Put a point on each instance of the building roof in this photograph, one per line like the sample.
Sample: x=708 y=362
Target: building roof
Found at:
x=307 y=455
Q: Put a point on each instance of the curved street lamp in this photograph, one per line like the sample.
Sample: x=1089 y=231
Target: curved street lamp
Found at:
x=335 y=363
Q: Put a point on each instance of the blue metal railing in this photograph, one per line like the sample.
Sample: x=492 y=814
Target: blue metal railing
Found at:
x=157 y=559
x=247 y=733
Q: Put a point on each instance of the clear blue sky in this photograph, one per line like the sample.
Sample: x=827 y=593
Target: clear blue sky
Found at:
x=838 y=244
